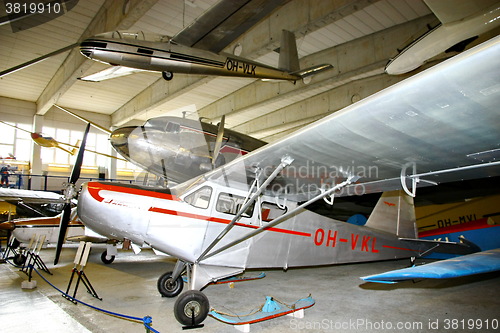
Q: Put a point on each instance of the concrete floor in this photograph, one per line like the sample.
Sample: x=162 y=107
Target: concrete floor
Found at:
x=344 y=303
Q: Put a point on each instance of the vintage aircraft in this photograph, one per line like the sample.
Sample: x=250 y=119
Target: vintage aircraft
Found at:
x=177 y=149
x=50 y=142
x=130 y=52
x=26 y=229
x=440 y=125
x=461 y=22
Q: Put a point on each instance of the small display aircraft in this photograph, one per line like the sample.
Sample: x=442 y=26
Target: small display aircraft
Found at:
x=130 y=52
x=50 y=142
x=438 y=126
x=461 y=22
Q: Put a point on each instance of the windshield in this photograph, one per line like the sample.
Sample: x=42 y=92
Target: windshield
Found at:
x=136 y=35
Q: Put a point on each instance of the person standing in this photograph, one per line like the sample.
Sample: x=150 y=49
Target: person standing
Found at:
x=5 y=175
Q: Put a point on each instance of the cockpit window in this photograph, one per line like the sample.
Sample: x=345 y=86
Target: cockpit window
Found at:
x=200 y=198
x=231 y=204
x=136 y=35
x=172 y=127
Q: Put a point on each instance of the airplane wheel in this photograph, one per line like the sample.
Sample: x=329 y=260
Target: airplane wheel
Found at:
x=106 y=260
x=191 y=308
x=19 y=259
x=15 y=244
x=169 y=287
x=167 y=75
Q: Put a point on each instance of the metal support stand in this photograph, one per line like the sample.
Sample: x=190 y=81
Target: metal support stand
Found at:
x=33 y=257
x=81 y=257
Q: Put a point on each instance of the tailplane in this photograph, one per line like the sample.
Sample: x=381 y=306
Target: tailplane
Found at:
x=289 y=58
x=394 y=213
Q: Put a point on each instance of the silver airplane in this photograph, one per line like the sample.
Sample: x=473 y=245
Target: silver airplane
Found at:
x=130 y=52
x=435 y=127
x=179 y=149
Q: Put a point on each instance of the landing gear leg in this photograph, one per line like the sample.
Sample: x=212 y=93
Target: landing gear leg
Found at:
x=191 y=309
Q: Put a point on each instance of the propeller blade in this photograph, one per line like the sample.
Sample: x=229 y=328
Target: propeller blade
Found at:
x=75 y=173
x=70 y=194
x=63 y=227
x=218 y=141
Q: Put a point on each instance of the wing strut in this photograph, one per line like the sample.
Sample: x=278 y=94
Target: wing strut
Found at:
x=285 y=161
x=274 y=222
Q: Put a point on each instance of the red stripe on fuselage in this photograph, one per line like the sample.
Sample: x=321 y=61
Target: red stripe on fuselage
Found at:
x=95 y=187
x=468 y=226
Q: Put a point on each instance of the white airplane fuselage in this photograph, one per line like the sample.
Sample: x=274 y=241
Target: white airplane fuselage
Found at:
x=181 y=229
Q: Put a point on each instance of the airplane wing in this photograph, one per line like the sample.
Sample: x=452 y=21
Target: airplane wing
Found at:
x=28 y=196
x=476 y=263
x=110 y=73
x=448 y=11
x=224 y=23
x=437 y=126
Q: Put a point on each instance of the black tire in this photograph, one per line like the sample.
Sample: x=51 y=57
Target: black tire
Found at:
x=167 y=75
x=105 y=260
x=189 y=303
x=15 y=244
x=19 y=259
x=169 y=287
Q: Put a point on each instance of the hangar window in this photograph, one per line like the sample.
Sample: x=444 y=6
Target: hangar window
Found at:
x=230 y=204
x=200 y=198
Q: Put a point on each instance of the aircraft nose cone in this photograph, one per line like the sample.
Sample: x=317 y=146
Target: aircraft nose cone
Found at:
x=119 y=139
x=7 y=226
x=120 y=136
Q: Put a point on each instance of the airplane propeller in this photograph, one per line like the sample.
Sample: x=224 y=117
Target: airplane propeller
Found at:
x=69 y=194
x=218 y=141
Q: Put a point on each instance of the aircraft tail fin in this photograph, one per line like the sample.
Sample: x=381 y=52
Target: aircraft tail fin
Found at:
x=394 y=213
x=289 y=58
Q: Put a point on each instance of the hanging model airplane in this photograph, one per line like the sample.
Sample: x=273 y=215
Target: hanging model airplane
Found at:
x=438 y=126
x=130 y=52
x=50 y=142
x=461 y=22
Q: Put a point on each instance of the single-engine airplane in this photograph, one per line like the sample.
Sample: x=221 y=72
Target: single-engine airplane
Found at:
x=437 y=126
x=130 y=52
